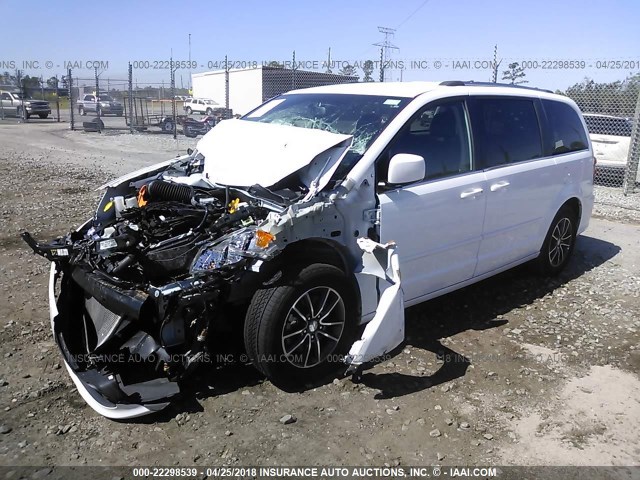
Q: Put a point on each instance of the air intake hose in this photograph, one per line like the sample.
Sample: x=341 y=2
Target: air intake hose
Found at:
x=161 y=190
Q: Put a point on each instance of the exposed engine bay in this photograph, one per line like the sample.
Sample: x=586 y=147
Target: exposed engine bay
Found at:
x=151 y=268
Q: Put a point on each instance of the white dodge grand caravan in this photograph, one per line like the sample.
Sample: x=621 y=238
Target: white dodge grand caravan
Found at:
x=319 y=212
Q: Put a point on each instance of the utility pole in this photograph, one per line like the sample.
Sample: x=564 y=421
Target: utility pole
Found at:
x=385 y=55
x=189 y=64
x=496 y=64
x=329 y=62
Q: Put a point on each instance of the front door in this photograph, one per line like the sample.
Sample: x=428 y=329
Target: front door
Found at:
x=436 y=223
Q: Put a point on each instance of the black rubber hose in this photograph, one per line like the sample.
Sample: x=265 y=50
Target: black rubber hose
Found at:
x=161 y=190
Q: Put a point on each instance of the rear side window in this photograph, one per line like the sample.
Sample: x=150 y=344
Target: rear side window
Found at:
x=505 y=130
x=566 y=130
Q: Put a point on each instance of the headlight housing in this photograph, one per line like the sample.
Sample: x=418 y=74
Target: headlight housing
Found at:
x=231 y=249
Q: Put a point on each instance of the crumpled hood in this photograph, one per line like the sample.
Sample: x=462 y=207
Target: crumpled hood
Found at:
x=244 y=153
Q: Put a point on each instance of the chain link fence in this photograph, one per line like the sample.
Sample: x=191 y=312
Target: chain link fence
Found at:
x=612 y=116
x=104 y=104
x=229 y=89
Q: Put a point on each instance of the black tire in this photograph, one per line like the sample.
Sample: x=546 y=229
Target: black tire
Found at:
x=81 y=111
x=43 y=115
x=167 y=127
x=208 y=111
x=188 y=110
x=559 y=242
x=119 y=114
x=273 y=328
x=188 y=132
x=27 y=116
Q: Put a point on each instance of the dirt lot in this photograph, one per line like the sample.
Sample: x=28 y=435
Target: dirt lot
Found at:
x=516 y=370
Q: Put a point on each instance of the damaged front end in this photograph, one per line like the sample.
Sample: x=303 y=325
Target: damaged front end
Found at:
x=135 y=291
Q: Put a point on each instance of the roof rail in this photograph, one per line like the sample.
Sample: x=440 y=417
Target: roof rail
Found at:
x=460 y=83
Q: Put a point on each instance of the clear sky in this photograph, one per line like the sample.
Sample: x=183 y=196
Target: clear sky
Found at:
x=120 y=31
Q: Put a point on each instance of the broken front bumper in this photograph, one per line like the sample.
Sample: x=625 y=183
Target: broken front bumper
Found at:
x=92 y=384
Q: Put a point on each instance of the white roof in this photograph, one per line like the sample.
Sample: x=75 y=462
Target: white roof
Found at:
x=391 y=89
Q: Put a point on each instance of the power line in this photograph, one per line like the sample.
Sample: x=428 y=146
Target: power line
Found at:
x=412 y=14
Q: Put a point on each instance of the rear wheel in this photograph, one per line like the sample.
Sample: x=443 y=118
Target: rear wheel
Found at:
x=559 y=242
x=189 y=111
x=81 y=111
x=209 y=111
x=297 y=332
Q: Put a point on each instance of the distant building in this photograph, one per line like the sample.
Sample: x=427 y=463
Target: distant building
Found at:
x=249 y=87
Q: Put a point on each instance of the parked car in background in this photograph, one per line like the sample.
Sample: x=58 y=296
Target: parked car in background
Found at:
x=102 y=104
x=192 y=127
x=200 y=105
x=610 y=137
x=13 y=103
x=318 y=212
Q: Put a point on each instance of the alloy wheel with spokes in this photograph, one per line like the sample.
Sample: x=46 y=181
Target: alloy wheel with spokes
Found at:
x=313 y=327
x=560 y=244
x=298 y=330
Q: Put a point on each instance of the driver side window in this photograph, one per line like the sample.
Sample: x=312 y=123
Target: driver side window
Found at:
x=439 y=133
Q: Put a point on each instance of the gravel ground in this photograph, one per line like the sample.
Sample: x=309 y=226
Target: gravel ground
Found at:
x=516 y=370
x=612 y=203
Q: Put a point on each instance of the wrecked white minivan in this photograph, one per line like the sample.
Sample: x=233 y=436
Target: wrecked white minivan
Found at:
x=294 y=212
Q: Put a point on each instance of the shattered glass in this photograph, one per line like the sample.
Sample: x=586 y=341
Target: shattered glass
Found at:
x=362 y=116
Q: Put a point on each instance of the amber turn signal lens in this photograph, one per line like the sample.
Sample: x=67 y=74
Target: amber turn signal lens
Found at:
x=263 y=239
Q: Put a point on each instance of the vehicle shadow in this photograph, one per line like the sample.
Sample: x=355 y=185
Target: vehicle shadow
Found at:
x=472 y=308
x=476 y=308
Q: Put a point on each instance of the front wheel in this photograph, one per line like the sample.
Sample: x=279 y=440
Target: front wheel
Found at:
x=298 y=332
x=559 y=242
x=188 y=110
x=81 y=111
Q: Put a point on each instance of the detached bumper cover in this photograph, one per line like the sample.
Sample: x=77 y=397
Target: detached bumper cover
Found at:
x=97 y=387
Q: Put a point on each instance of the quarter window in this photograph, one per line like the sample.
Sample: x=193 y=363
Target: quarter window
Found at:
x=567 y=132
x=506 y=131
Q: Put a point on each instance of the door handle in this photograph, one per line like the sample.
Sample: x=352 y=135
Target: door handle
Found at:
x=499 y=185
x=471 y=193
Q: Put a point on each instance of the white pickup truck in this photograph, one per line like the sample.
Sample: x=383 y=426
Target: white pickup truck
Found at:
x=15 y=103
